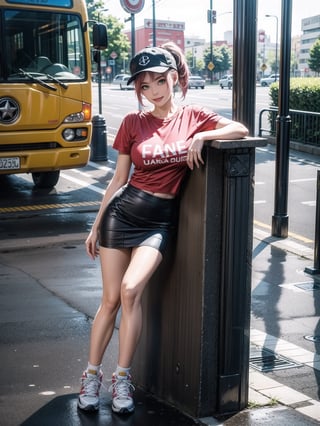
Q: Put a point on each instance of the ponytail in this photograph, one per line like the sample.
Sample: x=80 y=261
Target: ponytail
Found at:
x=182 y=66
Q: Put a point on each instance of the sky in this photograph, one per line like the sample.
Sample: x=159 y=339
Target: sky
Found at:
x=194 y=14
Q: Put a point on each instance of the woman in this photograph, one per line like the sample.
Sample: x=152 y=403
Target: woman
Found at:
x=137 y=215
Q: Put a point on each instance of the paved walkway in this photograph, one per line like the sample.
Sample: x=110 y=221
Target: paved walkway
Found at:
x=270 y=401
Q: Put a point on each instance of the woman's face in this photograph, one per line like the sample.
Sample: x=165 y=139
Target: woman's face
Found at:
x=156 y=88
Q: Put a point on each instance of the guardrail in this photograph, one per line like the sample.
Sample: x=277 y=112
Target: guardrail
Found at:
x=304 y=128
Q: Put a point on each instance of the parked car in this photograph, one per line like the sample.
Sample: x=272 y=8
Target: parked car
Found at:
x=266 y=81
x=123 y=83
x=119 y=78
x=226 y=81
x=196 y=81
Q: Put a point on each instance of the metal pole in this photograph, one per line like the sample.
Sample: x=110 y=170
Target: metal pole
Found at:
x=99 y=82
x=280 y=218
x=99 y=147
x=244 y=62
x=276 y=64
x=133 y=36
x=211 y=41
x=277 y=44
x=154 y=38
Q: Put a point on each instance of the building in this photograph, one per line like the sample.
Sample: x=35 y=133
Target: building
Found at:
x=310 y=28
x=164 y=30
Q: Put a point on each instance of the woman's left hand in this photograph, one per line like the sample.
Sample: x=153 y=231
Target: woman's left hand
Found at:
x=194 y=156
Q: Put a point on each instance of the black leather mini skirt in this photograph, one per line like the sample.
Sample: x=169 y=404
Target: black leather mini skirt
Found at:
x=136 y=218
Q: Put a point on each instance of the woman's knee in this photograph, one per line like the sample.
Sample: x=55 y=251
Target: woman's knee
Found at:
x=110 y=306
x=130 y=296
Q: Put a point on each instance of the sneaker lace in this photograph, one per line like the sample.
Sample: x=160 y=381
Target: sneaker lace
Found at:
x=91 y=385
x=122 y=388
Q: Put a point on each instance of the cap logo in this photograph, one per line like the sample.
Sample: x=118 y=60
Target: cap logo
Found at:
x=144 y=60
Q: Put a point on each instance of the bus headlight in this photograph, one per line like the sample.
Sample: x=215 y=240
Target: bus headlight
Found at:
x=68 y=134
x=75 y=134
x=80 y=116
x=76 y=117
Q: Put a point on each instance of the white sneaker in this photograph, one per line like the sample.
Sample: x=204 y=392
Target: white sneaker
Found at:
x=89 y=393
x=122 y=392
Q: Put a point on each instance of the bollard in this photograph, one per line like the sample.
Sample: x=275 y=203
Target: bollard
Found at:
x=194 y=348
x=99 y=148
x=315 y=270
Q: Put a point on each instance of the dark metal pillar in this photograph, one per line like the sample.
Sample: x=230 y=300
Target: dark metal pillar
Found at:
x=280 y=217
x=244 y=62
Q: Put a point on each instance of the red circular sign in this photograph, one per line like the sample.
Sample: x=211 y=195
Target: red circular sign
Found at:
x=132 y=6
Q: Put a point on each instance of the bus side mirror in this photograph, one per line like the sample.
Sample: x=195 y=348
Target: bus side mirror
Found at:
x=99 y=37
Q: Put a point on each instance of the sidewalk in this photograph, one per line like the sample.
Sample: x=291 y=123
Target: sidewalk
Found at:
x=269 y=401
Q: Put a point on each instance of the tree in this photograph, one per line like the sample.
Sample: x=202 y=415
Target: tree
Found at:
x=118 y=42
x=314 y=61
x=221 y=58
x=93 y=8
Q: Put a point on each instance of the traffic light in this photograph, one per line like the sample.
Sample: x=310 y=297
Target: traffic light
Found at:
x=212 y=16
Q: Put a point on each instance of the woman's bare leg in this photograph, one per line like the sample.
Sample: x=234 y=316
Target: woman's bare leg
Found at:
x=144 y=261
x=114 y=263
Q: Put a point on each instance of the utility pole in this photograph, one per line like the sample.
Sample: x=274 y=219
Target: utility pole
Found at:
x=211 y=17
x=154 y=25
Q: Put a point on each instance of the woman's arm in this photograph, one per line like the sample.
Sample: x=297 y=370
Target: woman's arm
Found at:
x=119 y=179
x=225 y=129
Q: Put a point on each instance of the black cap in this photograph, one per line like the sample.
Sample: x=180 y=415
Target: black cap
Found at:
x=154 y=59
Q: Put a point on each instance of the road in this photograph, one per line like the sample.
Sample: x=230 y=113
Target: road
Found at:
x=88 y=183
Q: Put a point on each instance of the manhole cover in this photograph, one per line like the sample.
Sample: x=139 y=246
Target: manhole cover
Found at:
x=264 y=360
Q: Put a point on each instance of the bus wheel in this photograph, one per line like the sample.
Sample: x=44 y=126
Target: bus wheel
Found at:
x=46 y=179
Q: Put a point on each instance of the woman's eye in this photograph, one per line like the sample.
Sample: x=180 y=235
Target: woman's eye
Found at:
x=161 y=81
x=144 y=87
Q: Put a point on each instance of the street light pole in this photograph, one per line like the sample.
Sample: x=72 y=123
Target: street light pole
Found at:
x=277 y=27
x=99 y=69
x=99 y=147
x=280 y=218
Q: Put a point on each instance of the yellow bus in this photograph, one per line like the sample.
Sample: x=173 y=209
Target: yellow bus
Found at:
x=45 y=87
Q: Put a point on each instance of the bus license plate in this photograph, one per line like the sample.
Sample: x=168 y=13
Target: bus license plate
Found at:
x=9 y=163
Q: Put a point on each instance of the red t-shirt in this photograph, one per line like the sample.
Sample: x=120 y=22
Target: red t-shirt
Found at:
x=158 y=147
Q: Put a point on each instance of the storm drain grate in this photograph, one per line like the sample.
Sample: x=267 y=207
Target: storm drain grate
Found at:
x=308 y=286
x=262 y=359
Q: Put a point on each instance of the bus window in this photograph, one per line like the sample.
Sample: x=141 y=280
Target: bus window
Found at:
x=44 y=43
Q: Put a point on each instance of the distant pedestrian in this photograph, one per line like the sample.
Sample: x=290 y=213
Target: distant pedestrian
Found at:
x=138 y=213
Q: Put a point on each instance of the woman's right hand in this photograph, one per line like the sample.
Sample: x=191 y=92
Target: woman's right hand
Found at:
x=92 y=244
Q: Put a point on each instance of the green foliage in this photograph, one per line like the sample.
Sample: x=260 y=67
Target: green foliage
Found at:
x=221 y=57
x=314 y=61
x=196 y=65
x=93 y=8
x=304 y=94
x=118 y=42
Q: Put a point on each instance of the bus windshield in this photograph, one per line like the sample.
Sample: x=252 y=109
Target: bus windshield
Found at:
x=41 y=45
